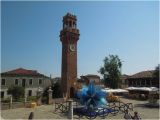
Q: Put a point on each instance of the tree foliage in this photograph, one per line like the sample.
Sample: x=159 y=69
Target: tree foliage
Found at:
x=16 y=91
x=56 y=93
x=56 y=90
x=111 y=71
x=156 y=72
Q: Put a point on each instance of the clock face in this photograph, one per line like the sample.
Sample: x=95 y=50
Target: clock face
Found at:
x=72 y=47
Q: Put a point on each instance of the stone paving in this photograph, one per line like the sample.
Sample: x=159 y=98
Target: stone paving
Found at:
x=47 y=112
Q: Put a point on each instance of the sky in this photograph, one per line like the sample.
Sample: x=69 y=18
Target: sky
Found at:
x=30 y=35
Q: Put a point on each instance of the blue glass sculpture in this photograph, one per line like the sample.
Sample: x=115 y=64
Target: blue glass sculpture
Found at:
x=94 y=101
x=92 y=96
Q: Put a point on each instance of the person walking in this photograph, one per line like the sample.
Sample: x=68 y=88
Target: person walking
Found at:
x=136 y=116
x=127 y=115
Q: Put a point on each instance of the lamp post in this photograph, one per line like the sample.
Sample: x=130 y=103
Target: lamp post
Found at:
x=105 y=76
x=121 y=82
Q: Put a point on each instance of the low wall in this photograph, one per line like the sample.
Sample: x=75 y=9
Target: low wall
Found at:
x=58 y=100
x=5 y=106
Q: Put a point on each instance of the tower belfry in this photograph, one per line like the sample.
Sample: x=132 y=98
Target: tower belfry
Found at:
x=69 y=36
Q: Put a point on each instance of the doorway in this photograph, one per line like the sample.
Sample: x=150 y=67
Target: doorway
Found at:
x=23 y=82
x=30 y=93
x=72 y=90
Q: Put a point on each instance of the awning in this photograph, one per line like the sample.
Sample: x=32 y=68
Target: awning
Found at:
x=115 y=90
x=143 y=88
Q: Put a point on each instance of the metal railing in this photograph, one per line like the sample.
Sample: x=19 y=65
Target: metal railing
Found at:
x=111 y=108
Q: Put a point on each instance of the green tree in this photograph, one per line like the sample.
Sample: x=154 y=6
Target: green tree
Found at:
x=111 y=71
x=16 y=91
x=56 y=90
x=56 y=93
x=156 y=72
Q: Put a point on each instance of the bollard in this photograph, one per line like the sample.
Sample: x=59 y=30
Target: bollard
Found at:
x=10 y=104
x=25 y=100
x=70 y=112
x=39 y=101
x=50 y=100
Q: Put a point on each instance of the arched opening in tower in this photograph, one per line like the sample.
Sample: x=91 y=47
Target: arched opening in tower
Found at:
x=72 y=91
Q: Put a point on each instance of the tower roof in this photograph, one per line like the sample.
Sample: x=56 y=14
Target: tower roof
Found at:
x=69 y=16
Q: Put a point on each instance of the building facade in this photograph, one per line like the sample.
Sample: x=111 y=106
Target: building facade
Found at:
x=86 y=79
x=124 y=82
x=31 y=80
x=142 y=79
x=56 y=80
x=91 y=77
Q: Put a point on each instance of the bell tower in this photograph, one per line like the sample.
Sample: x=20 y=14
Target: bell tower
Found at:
x=69 y=36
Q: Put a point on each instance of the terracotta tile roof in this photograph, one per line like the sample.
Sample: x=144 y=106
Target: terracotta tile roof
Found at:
x=22 y=71
x=124 y=76
x=92 y=75
x=143 y=74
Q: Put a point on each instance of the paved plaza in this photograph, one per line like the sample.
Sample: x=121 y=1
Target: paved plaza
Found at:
x=47 y=112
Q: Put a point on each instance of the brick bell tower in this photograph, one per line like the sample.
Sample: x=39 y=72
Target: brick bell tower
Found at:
x=69 y=36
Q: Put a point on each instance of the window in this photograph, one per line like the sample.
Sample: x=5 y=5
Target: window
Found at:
x=134 y=83
x=29 y=92
x=2 y=94
x=40 y=81
x=138 y=83
x=30 y=81
x=148 y=82
x=126 y=81
x=130 y=83
x=16 y=82
x=70 y=24
x=8 y=93
x=3 y=82
x=143 y=82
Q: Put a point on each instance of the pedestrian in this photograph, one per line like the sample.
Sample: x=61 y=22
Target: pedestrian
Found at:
x=127 y=115
x=31 y=115
x=136 y=116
